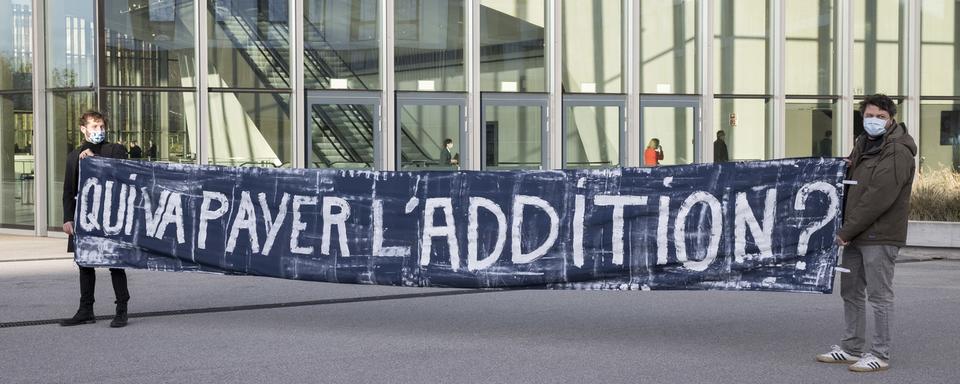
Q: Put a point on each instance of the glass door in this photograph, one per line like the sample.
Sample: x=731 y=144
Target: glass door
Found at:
x=593 y=130
x=670 y=128
x=430 y=130
x=514 y=127
x=343 y=128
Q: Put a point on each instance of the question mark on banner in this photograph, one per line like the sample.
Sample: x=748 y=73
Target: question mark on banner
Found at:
x=800 y=204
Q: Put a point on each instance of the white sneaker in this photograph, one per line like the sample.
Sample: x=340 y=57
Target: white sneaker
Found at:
x=837 y=355
x=870 y=363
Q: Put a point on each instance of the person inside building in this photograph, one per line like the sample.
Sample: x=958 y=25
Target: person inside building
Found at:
x=653 y=154
x=720 y=154
x=93 y=127
x=135 y=151
x=873 y=231
x=447 y=158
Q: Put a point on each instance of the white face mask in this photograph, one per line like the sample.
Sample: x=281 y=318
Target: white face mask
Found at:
x=875 y=126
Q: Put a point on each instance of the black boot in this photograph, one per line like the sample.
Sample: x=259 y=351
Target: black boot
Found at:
x=120 y=319
x=119 y=278
x=84 y=315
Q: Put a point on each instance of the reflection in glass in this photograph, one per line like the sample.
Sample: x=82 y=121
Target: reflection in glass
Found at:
x=939 y=44
x=741 y=44
x=156 y=126
x=668 y=46
x=877 y=27
x=745 y=122
x=249 y=129
x=809 y=50
x=512 y=137
x=149 y=43
x=673 y=127
x=16 y=52
x=940 y=135
x=63 y=135
x=512 y=45
x=341 y=44
x=249 y=44
x=424 y=131
x=70 y=39
x=592 y=136
x=341 y=136
x=593 y=47
x=429 y=45
x=16 y=161
x=811 y=130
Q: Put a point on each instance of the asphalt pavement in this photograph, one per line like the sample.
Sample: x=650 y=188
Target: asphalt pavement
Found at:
x=226 y=329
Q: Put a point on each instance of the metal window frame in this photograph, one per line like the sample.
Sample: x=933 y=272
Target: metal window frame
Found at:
x=676 y=101
x=405 y=98
x=514 y=99
x=354 y=97
x=571 y=100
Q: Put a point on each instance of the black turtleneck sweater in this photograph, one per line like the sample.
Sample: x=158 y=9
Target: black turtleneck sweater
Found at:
x=72 y=172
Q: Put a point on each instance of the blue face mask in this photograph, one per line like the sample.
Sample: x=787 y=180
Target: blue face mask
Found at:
x=97 y=137
x=875 y=126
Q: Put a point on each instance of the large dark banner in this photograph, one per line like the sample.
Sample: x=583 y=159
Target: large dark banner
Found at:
x=734 y=226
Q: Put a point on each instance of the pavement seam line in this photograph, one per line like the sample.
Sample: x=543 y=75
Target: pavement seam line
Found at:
x=237 y=308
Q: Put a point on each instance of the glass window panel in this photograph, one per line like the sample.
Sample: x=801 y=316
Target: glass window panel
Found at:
x=746 y=124
x=668 y=46
x=249 y=44
x=16 y=52
x=673 y=128
x=811 y=129
x=877 y=30
x=940 y=135
x=512 y=137
x=342 y=44
x=149 y=43
x=63 y=135
x=512 y=45
x=156 y=126
x=939 y=49
x=741 y=41
x=424 y=129
x=429 y=45
x=592 y=35
x=16 y=161
x=249 y=129
x=810 y=47
x=592 y=136
x=71 y=44
x=341 y=135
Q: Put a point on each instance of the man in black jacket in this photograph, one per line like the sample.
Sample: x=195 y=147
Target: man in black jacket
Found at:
x=92 y=125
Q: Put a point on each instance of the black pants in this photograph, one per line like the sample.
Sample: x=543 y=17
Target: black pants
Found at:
x=88 y=283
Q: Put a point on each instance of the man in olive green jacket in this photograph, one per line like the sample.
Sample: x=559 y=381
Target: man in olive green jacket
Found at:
x=874 y=229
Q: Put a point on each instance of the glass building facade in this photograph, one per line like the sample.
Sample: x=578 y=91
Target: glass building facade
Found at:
x=512 y=84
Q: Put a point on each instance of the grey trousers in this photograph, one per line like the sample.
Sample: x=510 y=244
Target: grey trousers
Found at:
x=870 y=278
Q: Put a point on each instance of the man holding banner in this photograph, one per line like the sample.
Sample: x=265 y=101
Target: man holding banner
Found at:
x=875 y=227
x=93 y=127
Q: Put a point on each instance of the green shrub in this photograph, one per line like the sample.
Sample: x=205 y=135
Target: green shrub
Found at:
x=936 y=196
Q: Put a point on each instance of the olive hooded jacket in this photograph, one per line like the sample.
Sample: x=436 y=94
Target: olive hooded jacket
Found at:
x=878 y=205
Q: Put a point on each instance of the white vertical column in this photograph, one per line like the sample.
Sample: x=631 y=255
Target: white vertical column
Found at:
x=632 y=136
x=39 y=80
x=201 y=70
x=844 y=53
x=777 y=74
x=554 y=68
x=912 y=71
x=705 y=77
x=389 y=127
x=298 y=98
x=472 y=67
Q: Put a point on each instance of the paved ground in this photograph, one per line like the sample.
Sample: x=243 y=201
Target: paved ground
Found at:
x=349 y=333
